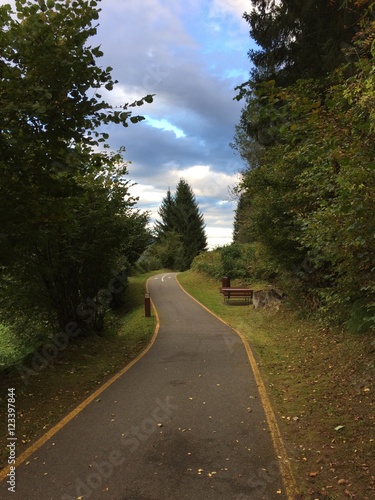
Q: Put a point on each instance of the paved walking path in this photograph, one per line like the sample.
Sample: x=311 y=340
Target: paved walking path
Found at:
x=185 y=422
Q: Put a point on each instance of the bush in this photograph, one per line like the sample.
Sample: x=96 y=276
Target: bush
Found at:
x=234 y=261
x=166 y=253
x=209 y=263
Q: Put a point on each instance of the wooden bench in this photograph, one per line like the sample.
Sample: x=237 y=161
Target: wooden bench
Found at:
x=236 y=293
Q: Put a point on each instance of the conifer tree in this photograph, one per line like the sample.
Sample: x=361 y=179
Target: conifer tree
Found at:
x=189 y=223
x=299 y=39
x=181 y=219
x=165 y=212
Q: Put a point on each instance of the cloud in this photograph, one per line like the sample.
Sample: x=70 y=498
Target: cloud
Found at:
x=164 y=124
x=232 y=7
x=210 y=189
x=189 y=126
x=191 y=55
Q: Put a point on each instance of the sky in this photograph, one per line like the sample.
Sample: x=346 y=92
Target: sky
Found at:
x=191 y=54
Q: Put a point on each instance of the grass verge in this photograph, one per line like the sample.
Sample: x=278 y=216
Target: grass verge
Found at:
x=43 y=398
x=320 y=384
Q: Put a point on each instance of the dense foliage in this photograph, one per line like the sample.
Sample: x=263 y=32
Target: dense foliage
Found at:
x=307 y=194
x=300 y=39
x=233 y=261
x=70 y=228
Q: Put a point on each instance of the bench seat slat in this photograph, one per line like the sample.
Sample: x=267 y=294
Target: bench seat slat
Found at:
x=236 y=292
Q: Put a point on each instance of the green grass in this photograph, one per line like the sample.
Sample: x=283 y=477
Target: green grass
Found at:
x=87 y=361
x=14 y=347
x=317 y=380
x=10 y=350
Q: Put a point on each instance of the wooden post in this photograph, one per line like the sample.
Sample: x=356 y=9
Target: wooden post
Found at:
x=225 y=282
x=147 y=305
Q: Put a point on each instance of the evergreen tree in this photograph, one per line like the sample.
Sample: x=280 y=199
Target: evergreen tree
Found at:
x=181 y=221
x=166 y=213
x=299 y=39
x=189 y=223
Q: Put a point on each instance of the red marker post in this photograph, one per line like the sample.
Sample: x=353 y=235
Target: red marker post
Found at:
x=147 y=305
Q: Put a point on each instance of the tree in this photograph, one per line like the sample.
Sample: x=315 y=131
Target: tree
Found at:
x=50 y=105
x=241 y=233
x=166 y=213
x=67 y=217
x=189 y=223
x=308 y=189
x=299 y=39
x=183 y=224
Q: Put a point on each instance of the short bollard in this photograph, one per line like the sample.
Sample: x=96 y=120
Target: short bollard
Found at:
x=147 y=305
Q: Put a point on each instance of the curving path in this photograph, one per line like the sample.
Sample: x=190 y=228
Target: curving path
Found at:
x=184 y=422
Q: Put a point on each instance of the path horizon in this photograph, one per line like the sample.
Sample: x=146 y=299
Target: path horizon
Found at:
x=186 y=420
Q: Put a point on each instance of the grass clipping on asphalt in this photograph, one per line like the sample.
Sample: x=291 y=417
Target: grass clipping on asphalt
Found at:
x=87 y=361
x=320 y=383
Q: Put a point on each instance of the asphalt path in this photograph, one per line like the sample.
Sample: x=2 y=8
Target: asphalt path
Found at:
x=186 y=421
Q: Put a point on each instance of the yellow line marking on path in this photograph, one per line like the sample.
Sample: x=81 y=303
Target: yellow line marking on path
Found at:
x=47 y=436
x=284 y=463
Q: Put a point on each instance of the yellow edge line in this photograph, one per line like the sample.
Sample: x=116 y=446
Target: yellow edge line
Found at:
x=41 y=441
x=284 y=463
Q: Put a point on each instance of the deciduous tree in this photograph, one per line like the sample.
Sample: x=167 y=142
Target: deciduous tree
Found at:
x=67 y=217
x=309 y=185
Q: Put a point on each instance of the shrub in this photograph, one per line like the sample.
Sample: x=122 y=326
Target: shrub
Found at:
x=209 y=263
x=234 y=261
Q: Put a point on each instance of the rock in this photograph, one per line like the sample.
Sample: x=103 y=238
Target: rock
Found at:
x=265 y=298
